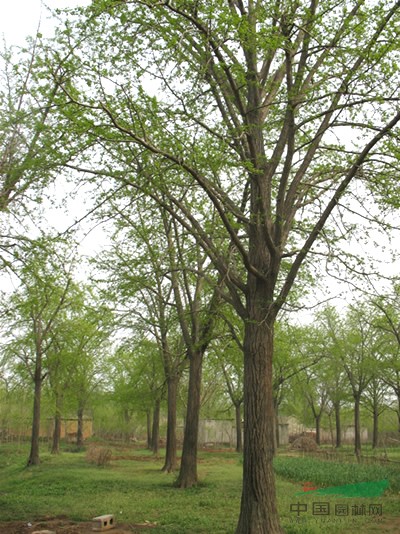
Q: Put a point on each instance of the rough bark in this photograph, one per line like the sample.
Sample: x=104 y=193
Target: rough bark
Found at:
x=258 y=513
x=188 y=471
x=170 y=463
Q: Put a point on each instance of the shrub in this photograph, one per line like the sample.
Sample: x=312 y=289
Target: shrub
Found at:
x=304 y=443
x=100 y=456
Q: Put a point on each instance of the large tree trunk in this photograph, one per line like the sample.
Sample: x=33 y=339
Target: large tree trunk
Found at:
x=55 y=449
x=155 y=432
x=258 y=512
x=34 y=453
x=238 y=416
x=188 y=472
x=357 y=428
x=170 y=463
x=338 y=425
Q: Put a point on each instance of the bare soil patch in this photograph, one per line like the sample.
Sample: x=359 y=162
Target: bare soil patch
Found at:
x=65 y=526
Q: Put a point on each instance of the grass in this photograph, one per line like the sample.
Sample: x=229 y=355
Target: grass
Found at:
x=324 y=473
x=133 y=488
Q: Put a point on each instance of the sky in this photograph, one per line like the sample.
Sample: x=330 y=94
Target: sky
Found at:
x=20 y=18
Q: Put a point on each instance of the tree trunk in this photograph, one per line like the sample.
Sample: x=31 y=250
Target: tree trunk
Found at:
x=170 y=463
x=188 y=471
x=238 y=416
x=34 y=453
x=127 y=421
x=318 y=429
x=148 y=426
x=375 y=415
x=258 y=512
x=398 y=410
x=55 y=449
x=79 y=433
x=357 y=428
x=155 y=432
x=338 y=425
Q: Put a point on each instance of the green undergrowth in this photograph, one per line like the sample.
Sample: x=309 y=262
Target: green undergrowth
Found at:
x=327 y=473
x=133 y=488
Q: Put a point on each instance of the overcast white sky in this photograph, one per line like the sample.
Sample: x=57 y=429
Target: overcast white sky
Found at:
x=20 y=18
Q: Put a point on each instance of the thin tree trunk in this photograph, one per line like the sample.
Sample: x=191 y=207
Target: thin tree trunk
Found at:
x=357 y=428
x=375 y=430
x=170 y=463
x=127 y=420
x=34 y=452
x=55 y=449
x=258 y=512
x=148 y=425
x=398 y=411
x=188 y=471
x=155 y=432
x=238 y=416
x=318 y=429
x=338 y=425
x=79 y=433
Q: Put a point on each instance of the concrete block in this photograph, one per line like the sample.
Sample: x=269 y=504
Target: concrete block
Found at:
x=103 y=522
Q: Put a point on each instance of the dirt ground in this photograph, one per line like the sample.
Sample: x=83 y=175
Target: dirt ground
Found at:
x=61 y=525
x=388 y=525
x=65 y=526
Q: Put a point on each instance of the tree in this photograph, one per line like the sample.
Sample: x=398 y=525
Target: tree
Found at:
x=314 y=390
x=138 y=384
x=30 y=144
x=228 y=349
x=76 y=359
x=358 y=350
x=35 y=311
x=387 y=325
x=253 y=98
x=139 y=276
x=297 y=350
x=375 y=402
x=330 y=328
x=179 y=292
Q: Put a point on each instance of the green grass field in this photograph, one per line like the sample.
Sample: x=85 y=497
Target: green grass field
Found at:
x=133 y=488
